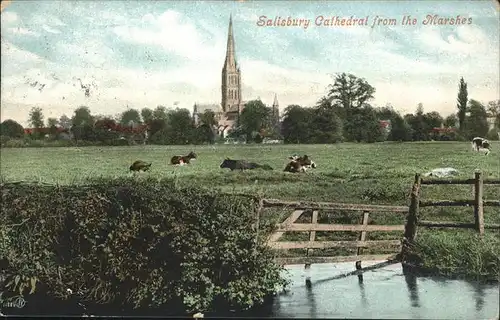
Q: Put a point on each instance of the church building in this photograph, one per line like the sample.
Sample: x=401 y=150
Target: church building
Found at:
x=228 y=111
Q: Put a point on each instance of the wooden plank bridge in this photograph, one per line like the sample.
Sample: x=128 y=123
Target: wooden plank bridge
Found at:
x=407 y=229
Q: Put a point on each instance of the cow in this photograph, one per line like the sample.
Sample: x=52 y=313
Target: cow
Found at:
x=479 y=143
x=140 y=165
x=182 y=160
x=242 y=165
x=299 y=164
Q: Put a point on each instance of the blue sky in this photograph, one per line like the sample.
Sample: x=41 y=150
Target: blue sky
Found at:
x=145 y=53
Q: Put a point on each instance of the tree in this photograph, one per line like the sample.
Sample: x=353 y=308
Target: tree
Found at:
x=418 y=125
x=130 y=117
x=400 y=129
x=12 y=129
x=180 y=129
x=451 y=121
x=160 y=113
x=325 y=126
x=433 y=120
x=65 y=122
x=255 y=117
x=36 y=117
x=82 y=116
x=206 y=130
x=147 y=115
x=494 y=111
x=462 y=103
x=296 y=122
x=350 y=91
x=52 y=122
x=477 y=121
x=363 y=126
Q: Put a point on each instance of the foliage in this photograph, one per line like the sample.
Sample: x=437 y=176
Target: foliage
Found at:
x=451 y=121
x=349 y=91
x=11 y=129
x=254 y=117
x=476 y=123
x=400 y=129
x=144 y=243
x=82 y=117
x=130 y=116
x=462 y=103
x=458 y=253
x=362 y=125
x=295 y=127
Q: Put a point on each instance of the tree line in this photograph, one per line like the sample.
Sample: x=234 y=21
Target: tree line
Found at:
x=343 y=114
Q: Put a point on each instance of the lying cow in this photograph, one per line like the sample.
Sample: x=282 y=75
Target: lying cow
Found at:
x=479 y=143
x=299 y=164
x=182 y=160
x=242 y=165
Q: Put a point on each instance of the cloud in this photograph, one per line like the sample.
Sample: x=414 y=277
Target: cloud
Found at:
x=23 y=31
x=109 y=48
x=8 y=17
x=173 y=34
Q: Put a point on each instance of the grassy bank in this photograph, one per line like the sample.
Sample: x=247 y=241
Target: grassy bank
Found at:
x=453 y=253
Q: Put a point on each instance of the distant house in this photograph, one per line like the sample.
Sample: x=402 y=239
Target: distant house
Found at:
x=443 y=133
x=386 y=125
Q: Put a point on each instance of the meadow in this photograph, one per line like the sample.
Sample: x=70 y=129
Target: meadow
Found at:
x=380 y=173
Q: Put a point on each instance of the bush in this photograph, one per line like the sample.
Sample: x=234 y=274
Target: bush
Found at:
x=493 y=134
x=136 y=243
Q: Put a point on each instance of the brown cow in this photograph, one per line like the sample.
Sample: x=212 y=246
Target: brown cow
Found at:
x=299 y=164
x=182 y=160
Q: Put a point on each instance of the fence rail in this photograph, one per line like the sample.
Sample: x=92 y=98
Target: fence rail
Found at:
x=299 y=207
x=478 y=203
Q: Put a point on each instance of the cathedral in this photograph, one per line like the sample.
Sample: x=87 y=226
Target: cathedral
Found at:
x=228 y=111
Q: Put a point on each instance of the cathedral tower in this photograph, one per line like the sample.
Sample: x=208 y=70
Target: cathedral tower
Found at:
x=231 y=77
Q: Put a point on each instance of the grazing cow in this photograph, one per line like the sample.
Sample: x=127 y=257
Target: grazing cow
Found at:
x=140 y=165
x=182 y=160
x=242 y=165
x=299 y=164
x=479 y=143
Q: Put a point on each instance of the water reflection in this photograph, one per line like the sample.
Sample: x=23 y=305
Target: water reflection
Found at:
x=338 y=291
x=311 y=300
x=411 y=284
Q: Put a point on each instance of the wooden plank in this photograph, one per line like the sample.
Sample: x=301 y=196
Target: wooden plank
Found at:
x=411 y=222
x=446 y=203
x=311 y=260
x=291 y=219
x=451 y=181
x=332 y=206
x=453 y=224
x=362 y=237
x=491 y=203
x=340 y=227
x=478 y=202
x=312 y=234
x=285 y=245
x=458 y=203
x=445 y=224
x=460 y=181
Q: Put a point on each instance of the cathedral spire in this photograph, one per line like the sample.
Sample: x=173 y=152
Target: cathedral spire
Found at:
x=275 y=103
x=230 y=52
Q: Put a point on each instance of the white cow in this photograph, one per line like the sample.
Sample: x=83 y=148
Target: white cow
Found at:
x=481 y=144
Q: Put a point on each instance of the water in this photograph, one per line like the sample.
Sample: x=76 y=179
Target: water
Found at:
x=384 y=294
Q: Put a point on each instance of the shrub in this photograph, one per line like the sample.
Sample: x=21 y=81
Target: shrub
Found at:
x=137 y=243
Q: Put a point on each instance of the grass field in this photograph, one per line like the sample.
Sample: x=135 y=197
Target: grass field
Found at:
x=346 y=172
x=379 y=173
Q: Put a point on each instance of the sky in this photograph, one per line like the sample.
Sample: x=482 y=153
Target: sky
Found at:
x=146 y=53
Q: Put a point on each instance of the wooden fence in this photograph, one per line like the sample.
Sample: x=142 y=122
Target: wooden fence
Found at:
x=290 y=225
x=478 y=203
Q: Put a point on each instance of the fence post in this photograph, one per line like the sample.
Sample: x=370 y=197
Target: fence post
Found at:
x=411 y=223
x=478 y=202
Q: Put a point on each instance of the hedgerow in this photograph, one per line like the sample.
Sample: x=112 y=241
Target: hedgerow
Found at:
x=140 y=243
